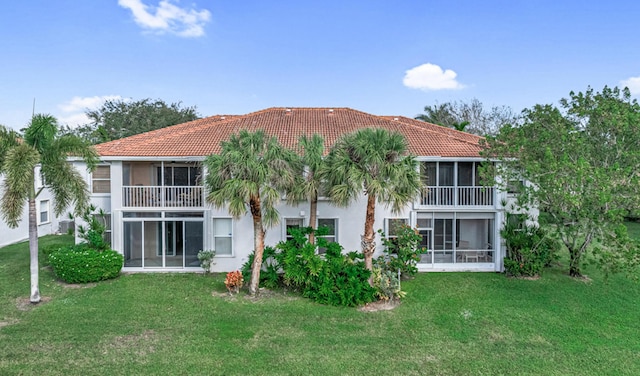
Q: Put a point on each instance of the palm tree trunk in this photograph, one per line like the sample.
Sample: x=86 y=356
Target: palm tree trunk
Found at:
x=258 y=241
x=368 y=242
x=313 y=209
x=33 y=252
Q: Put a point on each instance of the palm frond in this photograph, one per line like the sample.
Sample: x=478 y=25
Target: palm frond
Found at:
x=19 y=166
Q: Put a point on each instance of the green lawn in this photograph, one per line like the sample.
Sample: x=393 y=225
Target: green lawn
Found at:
x=449 y=324
x=634 y=229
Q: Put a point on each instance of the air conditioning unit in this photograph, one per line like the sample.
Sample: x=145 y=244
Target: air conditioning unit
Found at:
x=66 y=226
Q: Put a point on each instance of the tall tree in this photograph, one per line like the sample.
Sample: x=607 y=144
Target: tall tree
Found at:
x=249 y=175
x=583 y=163
x=116 y=119
x=469 y=116
x=376 y=162
x=311 y=151
x=41 y=147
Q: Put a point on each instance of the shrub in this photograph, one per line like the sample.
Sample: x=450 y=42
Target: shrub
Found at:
x=387 y=284
x=401 y=253
x=82 y=264
x=334 y=278
x=206 y=259
x=93 y=232
x=234 y=281
x=529 y=249
x=270 y=274
x=49 y=249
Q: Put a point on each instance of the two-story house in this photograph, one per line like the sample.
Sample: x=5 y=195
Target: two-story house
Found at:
x=151 y=187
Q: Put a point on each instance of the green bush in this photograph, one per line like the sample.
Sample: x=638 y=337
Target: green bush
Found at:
x=270 y=274
x=401 y=253
x=206 y=259
x=49 y=249
x=387 y=284
x=82 y=264
x=529 y=249
x=334 y=278
x=94 y=232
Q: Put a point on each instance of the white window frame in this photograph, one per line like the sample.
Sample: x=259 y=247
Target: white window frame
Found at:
x=285 y=235
x=336 y=227
x=47 y=210
x=95 y=179
x=214 y=236
x=387 y=226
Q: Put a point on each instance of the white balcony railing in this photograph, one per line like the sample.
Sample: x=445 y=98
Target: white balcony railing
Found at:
x=457 y=196
x=162 y=197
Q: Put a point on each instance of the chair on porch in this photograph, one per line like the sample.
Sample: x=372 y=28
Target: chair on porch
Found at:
x=468 y=256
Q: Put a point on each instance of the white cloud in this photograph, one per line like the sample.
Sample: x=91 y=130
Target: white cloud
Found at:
x=633 y=83
x=74 y=110
x=168 y=18
x=431 y=77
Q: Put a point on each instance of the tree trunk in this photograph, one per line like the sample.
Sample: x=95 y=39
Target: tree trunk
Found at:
x=33 y=252
x=368 y=241
x=258 y=243
x=574 y=263
x=313 y=209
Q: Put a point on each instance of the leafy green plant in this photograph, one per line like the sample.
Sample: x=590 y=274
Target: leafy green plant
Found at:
x=83 y=264
x=402 y=252
x=529 y=249
x=93 y=232
x=206 y=259
x=333 y=278
x=270 y=272
x=48 y=250
x=387 y=284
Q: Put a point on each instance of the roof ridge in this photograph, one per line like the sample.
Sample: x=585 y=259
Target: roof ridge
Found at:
x=414 y=123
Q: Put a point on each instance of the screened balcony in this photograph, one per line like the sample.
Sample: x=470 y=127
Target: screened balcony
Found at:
x=162 y=185
x=454 y=185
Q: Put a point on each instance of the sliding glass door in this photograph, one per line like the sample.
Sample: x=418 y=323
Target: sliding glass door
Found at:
x=163 y=243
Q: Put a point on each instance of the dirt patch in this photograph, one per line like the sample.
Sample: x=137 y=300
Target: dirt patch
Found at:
x=380 y=305
x=583 y=278
x=8 y=322
x=77 y=285
x=529 y=278
x=140 y=344
x=24 y=304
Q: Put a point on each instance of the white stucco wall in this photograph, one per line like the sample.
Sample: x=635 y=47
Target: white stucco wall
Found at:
x=13 y=235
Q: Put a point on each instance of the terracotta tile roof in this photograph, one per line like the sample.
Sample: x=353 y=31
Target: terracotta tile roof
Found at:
x=203 y=136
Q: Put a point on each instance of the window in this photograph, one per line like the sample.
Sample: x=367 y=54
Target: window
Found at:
x=223 y=236
x=179 y=176
x=291 y=223
x=105 y=220
x=332 y=235
x=392 y=228
x=44 y=211
x=101 y=179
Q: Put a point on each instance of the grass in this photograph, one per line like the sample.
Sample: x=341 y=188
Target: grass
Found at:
x=634 y=229
x=449 y=324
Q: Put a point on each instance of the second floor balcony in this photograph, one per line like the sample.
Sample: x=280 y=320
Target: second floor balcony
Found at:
x=163 y=196
x=467 y=197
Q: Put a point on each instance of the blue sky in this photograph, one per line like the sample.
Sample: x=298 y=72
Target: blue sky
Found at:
x=382 y=57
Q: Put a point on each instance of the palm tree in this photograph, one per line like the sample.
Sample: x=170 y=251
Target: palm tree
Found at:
x=376 y=161
x=249 y=175
x=460 y=126
x=19 y=157
x=311 y=150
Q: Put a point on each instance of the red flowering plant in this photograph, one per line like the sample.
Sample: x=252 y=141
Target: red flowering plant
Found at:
x=234 y=281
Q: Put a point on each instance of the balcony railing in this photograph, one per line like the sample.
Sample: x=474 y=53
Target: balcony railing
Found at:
x=457 y=196
x=162 y=197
